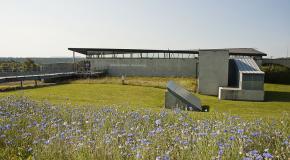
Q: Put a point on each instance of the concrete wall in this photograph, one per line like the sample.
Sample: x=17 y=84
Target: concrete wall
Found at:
x=146 y=67
x=213 y=71
x=238 y=94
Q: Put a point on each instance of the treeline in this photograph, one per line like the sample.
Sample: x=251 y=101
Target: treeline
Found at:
x=12 y=66
x=40 y=60
x=276 y=74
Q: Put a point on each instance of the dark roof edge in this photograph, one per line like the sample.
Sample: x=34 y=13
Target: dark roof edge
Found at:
x=252 y=52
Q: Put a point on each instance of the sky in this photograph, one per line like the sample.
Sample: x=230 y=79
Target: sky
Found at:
x=46 y=28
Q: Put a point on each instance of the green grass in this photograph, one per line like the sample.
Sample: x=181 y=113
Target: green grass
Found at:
x=149 y=93
x=96 y=94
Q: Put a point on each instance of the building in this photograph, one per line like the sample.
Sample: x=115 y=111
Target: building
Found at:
x=212 y=67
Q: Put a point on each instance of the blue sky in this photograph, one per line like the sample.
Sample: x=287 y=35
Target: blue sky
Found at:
x=45 y=28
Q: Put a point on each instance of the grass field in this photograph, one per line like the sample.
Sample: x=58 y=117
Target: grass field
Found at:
x=142 y=92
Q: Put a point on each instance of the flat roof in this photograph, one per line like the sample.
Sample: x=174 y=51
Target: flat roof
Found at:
x=107 y=51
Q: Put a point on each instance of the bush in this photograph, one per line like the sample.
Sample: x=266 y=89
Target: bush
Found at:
x=276 y=74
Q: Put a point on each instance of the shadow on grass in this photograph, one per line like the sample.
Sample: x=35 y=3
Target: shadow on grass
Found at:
x=276 y=96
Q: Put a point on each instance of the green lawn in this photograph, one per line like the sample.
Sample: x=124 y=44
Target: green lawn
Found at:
x=149 y=93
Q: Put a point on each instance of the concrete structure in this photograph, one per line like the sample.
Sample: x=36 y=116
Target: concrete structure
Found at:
x=178 y=97
x=146 y=67
x=211 y=67
x=280 y=61
x=246 y=81
x=213 y=71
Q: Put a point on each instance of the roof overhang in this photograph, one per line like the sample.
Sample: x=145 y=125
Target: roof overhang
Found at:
x=106 y=51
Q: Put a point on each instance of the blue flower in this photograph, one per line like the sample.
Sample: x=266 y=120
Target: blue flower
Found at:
x=232 y=138
x=47 y=142
x=240 y=131
x=158 y=122
x=138 y=155
x=267 y=155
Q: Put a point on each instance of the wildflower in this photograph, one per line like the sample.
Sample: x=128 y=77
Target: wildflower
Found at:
x=220 y=152
x=232 y=138
x=240 y=131
x=184 y=142
x=165 y=157
x=255 y=134
x=130 y=135
x=163 y=113
x=47 y=142
x=159 y=129
x=254 y=152
x=267 y=155
x=158 y=122
x=138 y=155
x=184 y=124
x=259 y=157
x=146 y=118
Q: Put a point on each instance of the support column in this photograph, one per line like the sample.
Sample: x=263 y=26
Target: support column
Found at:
x=74 y=61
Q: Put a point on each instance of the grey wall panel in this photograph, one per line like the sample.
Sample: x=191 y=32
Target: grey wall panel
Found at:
x=253 y=82
x=146 y=67
x=213 y=71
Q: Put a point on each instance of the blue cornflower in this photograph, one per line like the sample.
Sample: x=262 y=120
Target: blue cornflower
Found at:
x=158 y=122
x=259 y=157
x=163 y=113
x=240 y=131
x=130 y=135
x=159 y=129
x=138 y=155
x=232 y=138
x=221 y=152
x=267 y=155
x=255 y=134
x=47 y=142
x=254 y=152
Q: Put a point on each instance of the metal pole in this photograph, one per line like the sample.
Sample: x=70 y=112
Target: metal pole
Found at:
x=74 y=59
